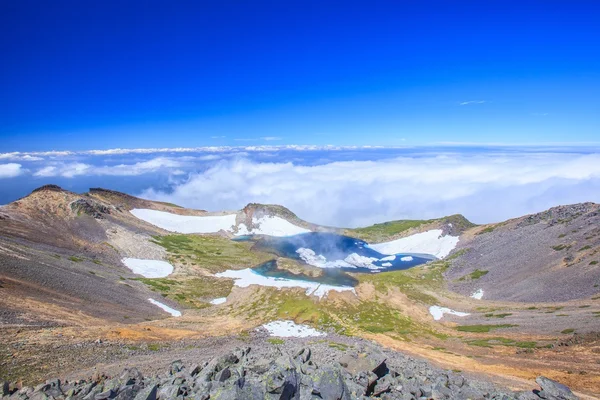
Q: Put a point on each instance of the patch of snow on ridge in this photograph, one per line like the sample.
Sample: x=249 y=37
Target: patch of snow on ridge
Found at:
x=247 y=277
x=291 y=329
x=166 y=308
x=430 y=242
x=148 y=268
x=478 y=295
x=272 y=226
x=406 y=258
x=388 y=258
x=186 y=223
x=386 y=264
x=218 y=300
x=438 y=312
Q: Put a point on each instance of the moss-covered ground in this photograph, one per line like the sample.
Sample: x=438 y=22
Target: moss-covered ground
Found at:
x=388 y=230
x=211 y=252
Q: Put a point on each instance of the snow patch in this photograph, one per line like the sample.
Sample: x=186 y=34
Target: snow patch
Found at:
x=148 y=268
x=291 y=329
x=271 y=226
x=386 y=264
x=478 y=295
x=406 y=258
x=247 y=277
x=388 y=258
x=353 y=260
x=218 y=300
x=360 y=261
x=430 y=242
x=186 y=223
x=166 y=308
x=438 y=312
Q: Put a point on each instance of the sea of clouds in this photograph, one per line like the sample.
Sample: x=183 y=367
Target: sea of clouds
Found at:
x=339 y=186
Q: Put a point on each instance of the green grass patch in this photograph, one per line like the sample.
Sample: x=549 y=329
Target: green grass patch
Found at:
x=97 y=262
x=585 y=248
x=482 y=328
x=193 y=292
x=75 y=259
x=384 y=231
x=416 y=283
x=486 y=230
x=532 y=308
x=276 y=341
x=213 y=253
x=562 y=235
x=502 y=315
x=338 y=346
x=500 y=341
x=560 y=247
x=154 y=347
x=593 y=262
x=478 y=273
x=567 y=331
x=346 y=318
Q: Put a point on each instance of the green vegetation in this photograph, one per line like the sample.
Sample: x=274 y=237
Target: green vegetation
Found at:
x=75 y=259
x=532 y=308
x=169 y=204
x=562 y=235
x=154 y=346
x=481 y=328
x=97 y=262
x=213 y=253
x=478 y=273
x=500 y=341
x=487 y=230
x=585 y=248
x=567 y=331
x=190 y=292
x=92 y=272
x=457 y=254
x=339 y=346
x=504 y=315
x=346 y=318
x=275 y=341
x=593 y=262
x=416 y=283
x=56 y=255
x=561 y=247
x=387 y=230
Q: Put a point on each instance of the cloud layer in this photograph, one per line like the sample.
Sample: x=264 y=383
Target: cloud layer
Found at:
x=10 y=170
x=354 y=193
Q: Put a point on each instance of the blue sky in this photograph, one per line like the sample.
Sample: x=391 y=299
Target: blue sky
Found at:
x=96 y=75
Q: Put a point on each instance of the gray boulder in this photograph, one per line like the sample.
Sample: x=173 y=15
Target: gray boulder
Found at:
x=553 y=390
x=328 y=383
x=148 y=393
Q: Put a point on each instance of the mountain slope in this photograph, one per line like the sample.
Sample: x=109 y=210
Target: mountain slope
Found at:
x=549 y=256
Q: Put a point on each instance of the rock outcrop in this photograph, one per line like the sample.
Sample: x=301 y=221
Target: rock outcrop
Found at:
x=244 y=375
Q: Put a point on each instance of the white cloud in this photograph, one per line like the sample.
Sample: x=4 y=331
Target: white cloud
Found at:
x=483 y=187
x=270 y=138
x=70 y=170
x=10 y=170
x=17 y=156
x=471 y=102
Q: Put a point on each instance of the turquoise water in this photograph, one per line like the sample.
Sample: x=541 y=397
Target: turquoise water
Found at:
x=332 y=247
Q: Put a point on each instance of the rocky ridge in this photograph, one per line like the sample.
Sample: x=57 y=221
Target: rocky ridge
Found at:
x=245 y=374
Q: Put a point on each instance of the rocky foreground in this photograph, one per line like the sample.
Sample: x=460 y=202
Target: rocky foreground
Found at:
x=361 y=373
